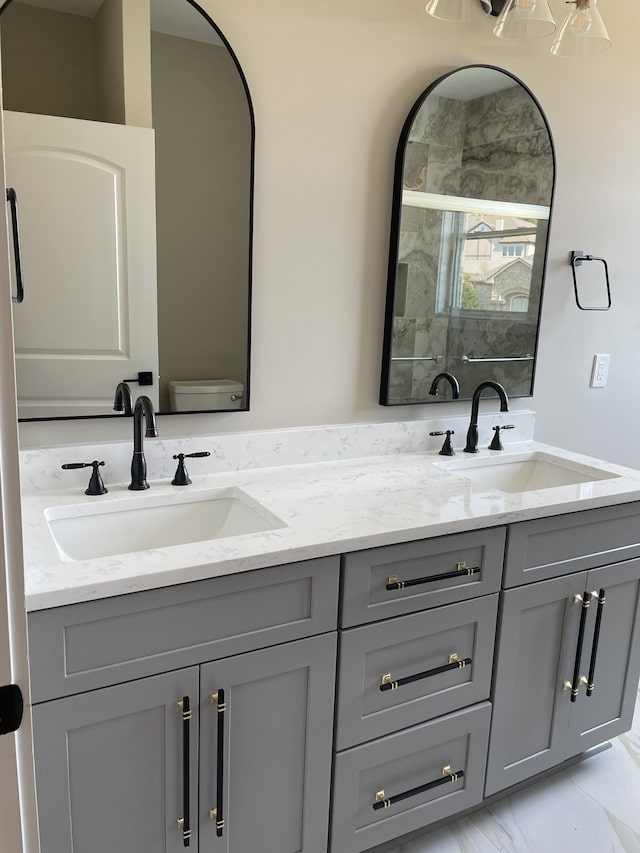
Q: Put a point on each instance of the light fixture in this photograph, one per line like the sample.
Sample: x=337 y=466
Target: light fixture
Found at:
x=525 y=20
x=449 y=10
x=460 y=10
x=583 y=32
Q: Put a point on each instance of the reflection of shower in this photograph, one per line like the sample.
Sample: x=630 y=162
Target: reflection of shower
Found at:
x=472 y=194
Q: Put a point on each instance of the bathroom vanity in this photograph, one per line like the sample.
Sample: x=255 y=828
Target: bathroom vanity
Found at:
x=361 y=691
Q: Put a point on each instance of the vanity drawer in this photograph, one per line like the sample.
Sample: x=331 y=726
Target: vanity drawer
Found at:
x=550 y=547
x=400 y=764
x=427 y=575
x=421 y=644
x=98 y=643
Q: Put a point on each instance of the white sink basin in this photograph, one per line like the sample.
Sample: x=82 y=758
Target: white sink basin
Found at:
x=87 y=531
x=525 y=472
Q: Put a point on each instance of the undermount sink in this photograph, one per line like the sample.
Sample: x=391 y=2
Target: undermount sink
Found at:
x=525 y=472
x=88 y=531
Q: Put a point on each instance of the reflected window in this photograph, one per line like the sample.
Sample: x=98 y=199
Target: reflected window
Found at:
x=519 y=302
x=486 y=260
x=510 y=251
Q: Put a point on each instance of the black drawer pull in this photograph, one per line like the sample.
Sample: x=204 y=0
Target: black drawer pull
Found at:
x=394 y=583
x=596 y=639
x=183 y=822
x=387 y=683
x=217 y=814
x=383 y=802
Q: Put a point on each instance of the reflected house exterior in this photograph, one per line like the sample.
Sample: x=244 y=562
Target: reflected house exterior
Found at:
x=498 y=269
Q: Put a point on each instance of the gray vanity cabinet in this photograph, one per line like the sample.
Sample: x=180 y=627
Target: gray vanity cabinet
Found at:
x=416 y=657
x=110 y=767
x=535 y=724
x=425 y=702
x=255 y=655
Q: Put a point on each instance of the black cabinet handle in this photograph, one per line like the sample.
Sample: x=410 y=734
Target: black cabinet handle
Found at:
x=394 y=583
x=217 y=813
x=574 y=684
x=12 y=198
x=184 y=825
x=387 y=683
x=383 y=802
x=596 y=639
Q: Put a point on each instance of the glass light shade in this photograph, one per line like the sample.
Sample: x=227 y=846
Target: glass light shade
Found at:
x=582 y=33
x=449 y=10
x=524 y=20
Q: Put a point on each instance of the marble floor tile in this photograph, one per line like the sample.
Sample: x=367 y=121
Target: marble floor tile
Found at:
x=629 y=839
x=554 y=816
x=635 y=725
x=462 y=836
x=612 y=779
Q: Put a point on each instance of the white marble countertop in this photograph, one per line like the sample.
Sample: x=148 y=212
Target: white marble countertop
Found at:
x=327 y=508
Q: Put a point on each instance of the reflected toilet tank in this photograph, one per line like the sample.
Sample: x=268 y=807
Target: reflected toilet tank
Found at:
x=202 y=395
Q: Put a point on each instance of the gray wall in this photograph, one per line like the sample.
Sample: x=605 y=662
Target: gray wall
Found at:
x=203 y=135
x=48 y=62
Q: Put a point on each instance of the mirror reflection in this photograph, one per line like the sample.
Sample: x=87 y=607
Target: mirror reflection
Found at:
x=472 y=199
x=129 y=142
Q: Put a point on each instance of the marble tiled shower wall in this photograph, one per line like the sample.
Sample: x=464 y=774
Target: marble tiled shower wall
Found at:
x=506 y=149
x=465 y=148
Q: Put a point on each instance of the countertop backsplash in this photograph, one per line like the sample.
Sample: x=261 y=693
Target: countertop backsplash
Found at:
x=41 y=469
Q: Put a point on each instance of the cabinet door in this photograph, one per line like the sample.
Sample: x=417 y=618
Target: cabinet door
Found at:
x=110 y=767
x=268 y=789
x=614 y=651
x=536 y=649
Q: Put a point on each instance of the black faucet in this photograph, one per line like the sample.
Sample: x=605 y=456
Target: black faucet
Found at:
x=451 y=379
x=142 y=408
x=123 y=400
x=472 y=432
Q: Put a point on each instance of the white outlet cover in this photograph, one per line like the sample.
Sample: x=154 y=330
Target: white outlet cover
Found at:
x=600 y=370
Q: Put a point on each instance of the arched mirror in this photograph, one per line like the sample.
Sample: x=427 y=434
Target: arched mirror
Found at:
x=129 y=140
x=474 y=180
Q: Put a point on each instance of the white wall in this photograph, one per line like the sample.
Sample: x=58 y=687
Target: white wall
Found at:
x=332 y=81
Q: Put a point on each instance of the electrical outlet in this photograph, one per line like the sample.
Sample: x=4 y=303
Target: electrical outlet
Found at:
x=600 y=370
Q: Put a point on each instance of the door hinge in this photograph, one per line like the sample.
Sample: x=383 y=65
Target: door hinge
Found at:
x=11 y=708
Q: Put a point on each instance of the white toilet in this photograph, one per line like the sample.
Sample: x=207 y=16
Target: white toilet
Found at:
x=201 y=395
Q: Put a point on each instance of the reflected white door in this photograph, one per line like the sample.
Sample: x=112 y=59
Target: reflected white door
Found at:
x=86 y=201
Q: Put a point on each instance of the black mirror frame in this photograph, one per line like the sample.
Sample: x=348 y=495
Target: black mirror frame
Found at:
x=394 y=242
x=246 y=407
